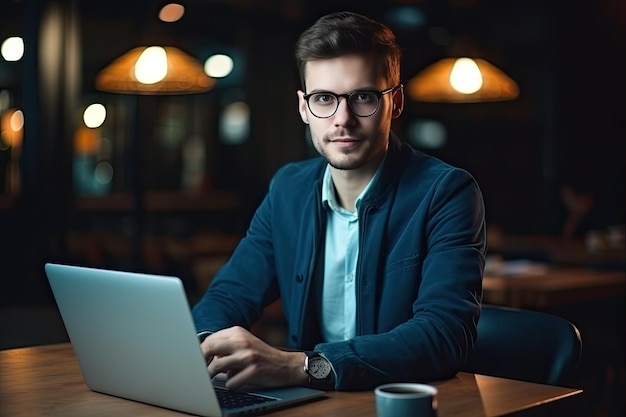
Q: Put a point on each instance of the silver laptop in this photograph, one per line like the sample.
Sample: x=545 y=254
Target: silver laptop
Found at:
x=134 y=337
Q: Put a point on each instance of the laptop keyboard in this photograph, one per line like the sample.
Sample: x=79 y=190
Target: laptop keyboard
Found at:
x=236 y=399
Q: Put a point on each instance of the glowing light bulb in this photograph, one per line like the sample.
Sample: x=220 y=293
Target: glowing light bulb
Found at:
x=465 y=76
x=151 y=66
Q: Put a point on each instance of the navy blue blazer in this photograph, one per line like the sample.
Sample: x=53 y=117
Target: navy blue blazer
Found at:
x=419 y=271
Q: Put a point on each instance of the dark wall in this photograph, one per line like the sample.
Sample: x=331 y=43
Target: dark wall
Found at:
x=566 y=128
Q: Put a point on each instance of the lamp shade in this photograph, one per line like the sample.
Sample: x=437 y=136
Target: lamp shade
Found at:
x=154 y=70
x=462 y=80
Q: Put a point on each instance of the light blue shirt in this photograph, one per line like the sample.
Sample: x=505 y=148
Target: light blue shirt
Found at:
x=338 y=314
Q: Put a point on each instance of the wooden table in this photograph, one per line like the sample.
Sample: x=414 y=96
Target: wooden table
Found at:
x=554 y=286
x=46 y=380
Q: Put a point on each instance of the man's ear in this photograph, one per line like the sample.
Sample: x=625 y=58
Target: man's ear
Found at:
x=398 y=103
x=302 y=107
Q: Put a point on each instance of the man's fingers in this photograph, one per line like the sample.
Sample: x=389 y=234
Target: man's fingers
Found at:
x=237 y=379
x=212 y=347
x=221 y=364
x=236 y=352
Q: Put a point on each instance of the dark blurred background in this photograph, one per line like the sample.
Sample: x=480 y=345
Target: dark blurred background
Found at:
x=162 y=186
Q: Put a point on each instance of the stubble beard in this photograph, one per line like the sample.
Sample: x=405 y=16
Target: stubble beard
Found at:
x=349 y=158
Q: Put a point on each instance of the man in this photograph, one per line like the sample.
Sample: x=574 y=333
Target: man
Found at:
x=375 y=250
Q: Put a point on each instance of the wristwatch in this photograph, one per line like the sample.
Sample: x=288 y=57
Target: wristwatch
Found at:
x=318 y=369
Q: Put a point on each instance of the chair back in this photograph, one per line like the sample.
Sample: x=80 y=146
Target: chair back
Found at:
x=525 y=345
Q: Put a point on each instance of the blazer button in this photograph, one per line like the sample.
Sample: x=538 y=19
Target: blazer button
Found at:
x=299 y=278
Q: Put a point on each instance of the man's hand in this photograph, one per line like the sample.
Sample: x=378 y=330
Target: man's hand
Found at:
x=246 y=359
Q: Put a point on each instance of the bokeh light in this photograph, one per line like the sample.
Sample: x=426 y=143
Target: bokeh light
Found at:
x=218 y=66
x=12 y=127
x=94 y=115
x=103 y=173
x=235 y=123
x=427 y=134
x=12 y=49
x=171 y=12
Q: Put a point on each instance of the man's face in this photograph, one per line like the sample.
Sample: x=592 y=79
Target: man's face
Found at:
x=347 y=141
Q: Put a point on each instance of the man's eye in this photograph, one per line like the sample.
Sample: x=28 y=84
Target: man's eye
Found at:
x=363 y=96
x=323 y=98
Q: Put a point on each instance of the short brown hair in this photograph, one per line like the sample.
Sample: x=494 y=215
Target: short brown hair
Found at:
x=344 y=33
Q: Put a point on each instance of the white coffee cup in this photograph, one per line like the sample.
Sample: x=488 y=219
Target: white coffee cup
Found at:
x=406 y=400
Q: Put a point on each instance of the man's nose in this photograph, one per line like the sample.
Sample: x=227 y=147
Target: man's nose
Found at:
x=343 y=112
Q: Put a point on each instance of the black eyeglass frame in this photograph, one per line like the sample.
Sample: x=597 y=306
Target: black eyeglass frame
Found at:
x=379 y=95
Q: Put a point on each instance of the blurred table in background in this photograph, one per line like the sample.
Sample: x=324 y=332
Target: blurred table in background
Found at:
x=598 y=249
x=541 y=287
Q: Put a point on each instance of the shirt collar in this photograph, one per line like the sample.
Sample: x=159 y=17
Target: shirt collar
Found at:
x=328 y=189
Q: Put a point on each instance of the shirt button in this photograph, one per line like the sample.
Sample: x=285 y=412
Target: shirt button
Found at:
x=349 y=277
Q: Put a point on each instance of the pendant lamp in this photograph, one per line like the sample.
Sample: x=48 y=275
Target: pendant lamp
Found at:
x=462 y=80
x=154 y=70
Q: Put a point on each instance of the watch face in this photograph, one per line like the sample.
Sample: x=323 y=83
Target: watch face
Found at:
x=319 y=368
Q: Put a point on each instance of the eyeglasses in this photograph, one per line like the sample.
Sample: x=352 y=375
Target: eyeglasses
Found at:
x=362 y=103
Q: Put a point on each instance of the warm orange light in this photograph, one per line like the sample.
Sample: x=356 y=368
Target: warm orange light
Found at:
x=86 y=141
x=183 y=74
x=171 y=12
x=462 y=80
x=12 y=127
